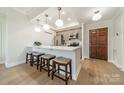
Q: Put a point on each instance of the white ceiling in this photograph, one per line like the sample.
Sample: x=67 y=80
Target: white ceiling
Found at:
x=77 y=14
x=85 y=14
x=24 y=10
x=31 y=12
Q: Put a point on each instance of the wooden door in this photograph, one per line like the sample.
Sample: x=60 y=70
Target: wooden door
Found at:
x=93 y=44
x=98 y=39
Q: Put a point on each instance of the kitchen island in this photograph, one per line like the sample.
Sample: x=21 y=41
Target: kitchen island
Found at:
x=74 y=53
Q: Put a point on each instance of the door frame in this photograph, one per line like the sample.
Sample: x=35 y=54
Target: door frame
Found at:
x=107 y=40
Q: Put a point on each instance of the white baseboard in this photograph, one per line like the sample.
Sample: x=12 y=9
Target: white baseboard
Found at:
x=117 y=65
x=82 y=58
x=122 y=69
x=14 y=64
x=111 y=61
x=86 y=57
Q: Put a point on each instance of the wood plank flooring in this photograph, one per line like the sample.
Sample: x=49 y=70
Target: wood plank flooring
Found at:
x=93 y=72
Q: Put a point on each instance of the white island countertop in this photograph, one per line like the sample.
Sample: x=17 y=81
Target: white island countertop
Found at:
x=74 y=53
x=58 y=47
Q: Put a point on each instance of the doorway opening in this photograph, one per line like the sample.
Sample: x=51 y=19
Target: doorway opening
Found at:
x=98 y=43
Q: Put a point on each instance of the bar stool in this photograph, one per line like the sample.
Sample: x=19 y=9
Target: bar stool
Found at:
x=36 y=58
x=28 y=57
x=62 y=61
x=45 y=62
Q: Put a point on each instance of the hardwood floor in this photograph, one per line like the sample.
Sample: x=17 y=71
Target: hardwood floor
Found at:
x=2 y=67
x=93 y=72
x=100 y=72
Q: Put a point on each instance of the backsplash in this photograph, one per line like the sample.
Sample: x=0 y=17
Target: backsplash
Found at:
x=68 y=38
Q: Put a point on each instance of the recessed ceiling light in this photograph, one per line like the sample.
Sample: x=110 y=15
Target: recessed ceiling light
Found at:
x=37 y=29
x=49 y=18
x=63 y=12
x=96 y=16
x=69 y=19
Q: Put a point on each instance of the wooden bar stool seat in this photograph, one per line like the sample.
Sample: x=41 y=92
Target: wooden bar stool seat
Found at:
x=45 y=62
x=36 y=58
x=65 y=62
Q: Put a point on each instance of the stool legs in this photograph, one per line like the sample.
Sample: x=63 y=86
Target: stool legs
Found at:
x=37 y=62
x=48 y=66
x=70 y=70
x=66 y=79
x=53 y=70
x=26 y=58
x=31 y=60
x=41 y=64
x=58 y=68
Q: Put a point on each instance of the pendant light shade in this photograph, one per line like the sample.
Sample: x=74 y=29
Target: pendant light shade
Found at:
x=37 y=27
x=59 y=22
x=46 y=26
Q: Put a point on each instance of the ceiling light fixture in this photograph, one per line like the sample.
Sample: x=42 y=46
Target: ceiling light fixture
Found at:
x=49 y=18
x=46 y=26
x=69 y=19
x=59 y=22
x=37 y=27
x=63 y=12
x=96 y=16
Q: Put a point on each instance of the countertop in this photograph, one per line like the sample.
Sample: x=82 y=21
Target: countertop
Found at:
x=57 y=47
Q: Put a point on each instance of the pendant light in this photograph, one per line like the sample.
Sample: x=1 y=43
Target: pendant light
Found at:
x=97 y=16
x=37 y=27
x=46 y=26
x=59 y=22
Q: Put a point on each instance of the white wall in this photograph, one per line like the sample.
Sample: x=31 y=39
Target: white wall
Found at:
x=0 y=42
x=115 y=42
x=2 y=38
x=118 y=44
x=20 y=33
x=87 y=27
